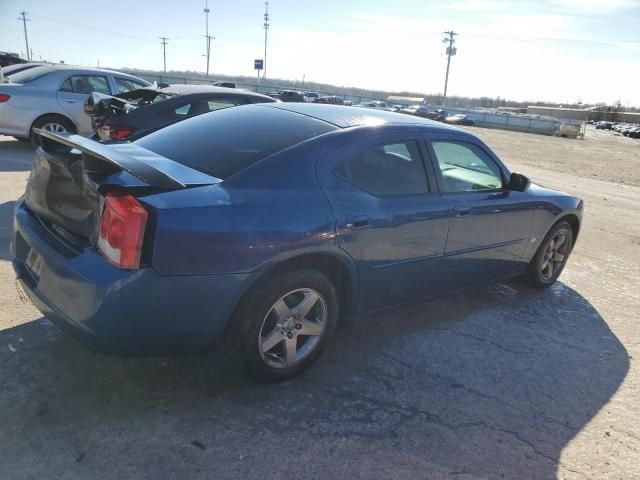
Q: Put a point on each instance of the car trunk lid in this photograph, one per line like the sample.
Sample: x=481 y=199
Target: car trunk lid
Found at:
x=71 y=174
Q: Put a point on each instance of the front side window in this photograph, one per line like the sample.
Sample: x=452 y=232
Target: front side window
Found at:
x=86 y=84
x=127 y=84
x=390 y=169
x=466 y=167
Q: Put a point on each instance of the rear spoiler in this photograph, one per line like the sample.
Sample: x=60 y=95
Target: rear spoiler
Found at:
x=153 y=169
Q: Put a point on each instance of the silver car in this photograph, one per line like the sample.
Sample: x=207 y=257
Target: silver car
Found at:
x=52 y=97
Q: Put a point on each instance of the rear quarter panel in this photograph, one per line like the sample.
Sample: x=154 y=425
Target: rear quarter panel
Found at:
x=269 y=212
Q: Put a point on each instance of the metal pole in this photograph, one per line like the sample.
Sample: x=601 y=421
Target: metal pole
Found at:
x=266 y=29
x=450 y=40
x=164 y=52
x=26 y=38
x=208 y=39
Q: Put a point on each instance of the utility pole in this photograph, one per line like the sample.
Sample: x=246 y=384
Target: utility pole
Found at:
x=164 y=52
x=23 y=17
x=207 y=37
x=451 y=51
x=266 y=29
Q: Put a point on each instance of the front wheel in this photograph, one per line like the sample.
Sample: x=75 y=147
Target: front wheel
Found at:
x=551 y=257
x=286 y=323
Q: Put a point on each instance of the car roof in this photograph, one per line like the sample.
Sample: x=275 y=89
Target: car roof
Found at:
x=345 y=117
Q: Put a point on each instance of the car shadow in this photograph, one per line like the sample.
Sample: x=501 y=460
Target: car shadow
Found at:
x=17 y=156
x=6 y=219
x=493 y=382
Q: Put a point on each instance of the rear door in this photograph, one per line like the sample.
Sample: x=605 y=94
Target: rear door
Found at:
x=389 y=216
x=73 y=93
x=490 y=225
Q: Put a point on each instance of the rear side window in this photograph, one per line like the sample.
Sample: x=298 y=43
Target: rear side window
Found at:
x=390 y=169
x=86 y=84
x=227 y=141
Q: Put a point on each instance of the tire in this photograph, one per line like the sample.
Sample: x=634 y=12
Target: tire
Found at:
x=269 y=329
x=549 y=261
x=53 y=123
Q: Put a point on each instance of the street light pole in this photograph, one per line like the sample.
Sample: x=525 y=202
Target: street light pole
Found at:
x=266 y=29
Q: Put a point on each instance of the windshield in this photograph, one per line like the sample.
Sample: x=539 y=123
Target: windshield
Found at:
x=31 y=74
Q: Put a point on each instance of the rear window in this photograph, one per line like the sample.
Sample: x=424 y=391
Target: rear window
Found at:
x=31 y=74
x=227 y=141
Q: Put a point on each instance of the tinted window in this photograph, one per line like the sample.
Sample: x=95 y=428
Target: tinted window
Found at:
x=86 y=84
x=182 y=110
x=213 y=104
x=227 y=141
x=389 y=169
x=466 y=167
x=127 y=84
x=31 y=74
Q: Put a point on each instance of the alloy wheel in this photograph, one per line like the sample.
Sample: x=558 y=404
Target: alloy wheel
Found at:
x=54 y=127
x=553 y=257
x=292 y=328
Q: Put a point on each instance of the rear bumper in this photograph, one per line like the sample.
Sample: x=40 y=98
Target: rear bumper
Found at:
x=119 y=311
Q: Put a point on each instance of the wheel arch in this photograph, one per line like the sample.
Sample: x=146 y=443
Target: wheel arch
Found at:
x=573 y=220
x=338 y=268
x=53 y=114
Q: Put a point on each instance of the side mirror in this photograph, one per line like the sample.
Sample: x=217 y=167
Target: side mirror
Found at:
x=518 y=182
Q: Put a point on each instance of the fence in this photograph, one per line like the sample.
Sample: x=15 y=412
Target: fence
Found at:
x=510 y=121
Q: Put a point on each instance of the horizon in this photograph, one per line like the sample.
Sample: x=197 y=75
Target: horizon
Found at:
x=555 y=51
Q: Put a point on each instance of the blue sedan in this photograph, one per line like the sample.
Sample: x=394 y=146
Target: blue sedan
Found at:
x=256 y=228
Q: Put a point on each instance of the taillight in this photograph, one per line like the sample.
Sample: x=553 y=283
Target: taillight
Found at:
x=110 y=132
x=4 y=97
x=122 y=230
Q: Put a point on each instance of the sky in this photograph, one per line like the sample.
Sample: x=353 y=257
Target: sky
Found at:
x=552 y=50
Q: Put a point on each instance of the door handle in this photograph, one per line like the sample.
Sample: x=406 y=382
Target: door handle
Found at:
x=462 y=211
x=70 y=101
x=358 y=221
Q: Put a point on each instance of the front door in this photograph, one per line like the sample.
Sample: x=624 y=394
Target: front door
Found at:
x=389 y=216
x=73 y=93
x=490 y=225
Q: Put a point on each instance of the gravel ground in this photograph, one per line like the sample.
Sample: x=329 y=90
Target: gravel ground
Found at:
x=497 y=382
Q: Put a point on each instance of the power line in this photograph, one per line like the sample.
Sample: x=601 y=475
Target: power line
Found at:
x=451 y=51
x=23 y=17
x=266 y=29
x=95 y=29
x=164 y=51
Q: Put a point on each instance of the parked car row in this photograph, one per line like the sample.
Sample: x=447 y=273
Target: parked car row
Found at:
x=631 y=130
x=291 y=96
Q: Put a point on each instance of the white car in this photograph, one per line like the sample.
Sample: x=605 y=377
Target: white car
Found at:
x=52 y=97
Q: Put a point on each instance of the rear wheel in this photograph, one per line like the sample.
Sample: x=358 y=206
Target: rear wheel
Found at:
x=52 y=123
x=551 y=257
x=286 y=323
